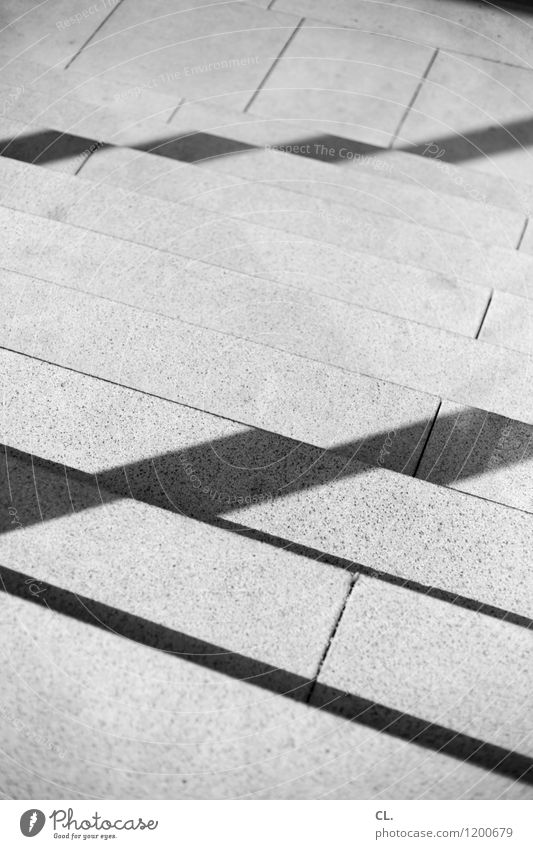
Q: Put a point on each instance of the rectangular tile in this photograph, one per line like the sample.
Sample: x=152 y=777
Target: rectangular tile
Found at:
x=479 y=28
x=344 y=74
x=477 y=113
x=509 y=322
x=480 y=453
x=297 y=262
x=238 y=42
x=447 y=665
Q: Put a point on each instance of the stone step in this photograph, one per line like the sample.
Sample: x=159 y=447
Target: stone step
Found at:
x=448 y=665
x=456 y=256
x=138 y=112
x=464 y=260
x=192 y=732
x=358 y=278
x=340 y=340
x=336 y=143
x=128 y=124
x=228 y=376
x=327 y=505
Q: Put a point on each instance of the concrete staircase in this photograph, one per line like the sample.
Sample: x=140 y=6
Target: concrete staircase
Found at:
x=267 y=423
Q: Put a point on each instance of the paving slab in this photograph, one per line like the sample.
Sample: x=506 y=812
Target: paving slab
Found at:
x=345 y=74
x=192 y=733
x=224 y=375
x=509 y=322
x=55 y=81
x=240 y=41
x=475 y=28
x=442 y=663
x=321 y=330
x=464 y=260
x=51 y=32
x=351 y=277
x=478 y=452
x=477 y=113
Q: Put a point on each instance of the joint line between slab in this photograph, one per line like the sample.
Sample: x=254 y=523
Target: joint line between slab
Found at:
x=430 y=431
x=274 y=63
x=414 y=97
x=87 y=41
x=353 y=580
x=483 y=317
x=522 y=234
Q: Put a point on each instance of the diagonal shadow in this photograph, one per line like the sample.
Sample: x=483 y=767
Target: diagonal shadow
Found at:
x=473 y=144
x=222 y=475
x=43 y=146
x=348 y=706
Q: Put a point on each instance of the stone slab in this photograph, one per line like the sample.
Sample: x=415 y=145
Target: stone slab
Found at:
x=239 y=43
x=191 y=733
x=383 y=285
x=345 y=74
x=52 y=32
x=474 y=28
x=509 y=322
x=466 y=261
x=219 y=373
x=477 y=452
x=437 y=661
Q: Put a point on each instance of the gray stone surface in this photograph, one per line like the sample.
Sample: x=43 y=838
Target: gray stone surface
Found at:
x=478 y=113
x=50 y=32
x=414 y=530
x=509 y=322
x=473 y=28
x=221 y=374
x=318 y=330
x=239 y=43
x=485 y=692
x=375 y=191
x=464 y=260
x=368 y=515
x=480 y=453
x=345 y=74
x=191 y=733
x=352 y=277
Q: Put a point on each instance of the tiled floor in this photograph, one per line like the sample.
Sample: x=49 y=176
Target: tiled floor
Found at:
x=265 y=496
